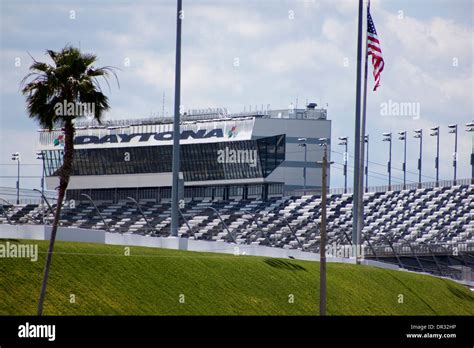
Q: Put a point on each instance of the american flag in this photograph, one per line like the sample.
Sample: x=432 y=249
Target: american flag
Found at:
x=374 y=50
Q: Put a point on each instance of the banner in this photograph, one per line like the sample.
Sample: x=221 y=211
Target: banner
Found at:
x=193 y=132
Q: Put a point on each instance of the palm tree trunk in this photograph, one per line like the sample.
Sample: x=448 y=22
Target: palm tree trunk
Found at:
x=64 y=175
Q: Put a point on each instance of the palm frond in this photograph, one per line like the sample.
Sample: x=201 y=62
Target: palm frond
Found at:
x=72 y=78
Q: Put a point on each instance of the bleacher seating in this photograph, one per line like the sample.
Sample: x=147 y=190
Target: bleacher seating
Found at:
x=423 y=216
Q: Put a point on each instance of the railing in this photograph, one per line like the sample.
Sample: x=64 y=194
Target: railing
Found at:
x=428 y=253
x=420 y=249
x=27 y=196
x=382 y=188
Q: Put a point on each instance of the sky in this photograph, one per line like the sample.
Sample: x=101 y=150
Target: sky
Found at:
x=241 y=53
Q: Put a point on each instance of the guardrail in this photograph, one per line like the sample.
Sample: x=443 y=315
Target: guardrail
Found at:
x=382 y=188
x=27 y=196
x=420 y=249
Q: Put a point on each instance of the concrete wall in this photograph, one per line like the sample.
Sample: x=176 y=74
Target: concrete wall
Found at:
x=22 y=231
x=102 y=237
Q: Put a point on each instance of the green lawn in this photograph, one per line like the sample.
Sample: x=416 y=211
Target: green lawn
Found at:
x=151 y=281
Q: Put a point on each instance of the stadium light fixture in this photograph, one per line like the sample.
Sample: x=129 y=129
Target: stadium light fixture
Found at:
x=303 y=143
x=40 y=156
x=435 y=133
x=453 y=129
x=16 y=157
x=403 y=136
x=419 y=135
x=470 y=128
x=344 y=142
x=388 y=137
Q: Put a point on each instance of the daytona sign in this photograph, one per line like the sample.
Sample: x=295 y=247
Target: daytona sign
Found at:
x=145 y=137
x=152 y=135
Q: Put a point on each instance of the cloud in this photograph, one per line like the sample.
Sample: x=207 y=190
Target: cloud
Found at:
x=312 y=57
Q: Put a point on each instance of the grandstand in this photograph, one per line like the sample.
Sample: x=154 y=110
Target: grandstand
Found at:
x=121 y=183
x=428 y=229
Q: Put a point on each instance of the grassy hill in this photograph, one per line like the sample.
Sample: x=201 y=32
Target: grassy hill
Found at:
x=103 y=281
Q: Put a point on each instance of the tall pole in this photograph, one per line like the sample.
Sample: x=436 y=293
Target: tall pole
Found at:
x=455 y=155
x=322 y=243
x=16 y=157
x=421 y=160
x=39 y=155
x=419 y=135
x=390 y=165
x=357 y=189
x=388 y=137
x=436 y=134
x=18 y=183
x=367 y=165
x=303 y=142
x=403 y=136
x=42 y=182
x=304 y=169
x=437 y=160
x=176 y=130
x=360 y=206
x=405 y=162
x=345 y=141
x=470 y=128
x=345 y=168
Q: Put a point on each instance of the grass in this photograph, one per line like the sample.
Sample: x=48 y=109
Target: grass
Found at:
x=103 y=281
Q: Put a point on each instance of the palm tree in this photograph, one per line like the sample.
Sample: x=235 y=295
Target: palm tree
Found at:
x=70 y=80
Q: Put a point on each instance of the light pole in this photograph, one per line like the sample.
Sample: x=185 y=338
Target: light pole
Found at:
x=97 y=210
x=419 y=135
x=222 y=220
x=388 y=137
x=366 y=140
x=470 y=128
x=16 y=157
x=453 y=128
x=403 y=136
x=322 y=243
x=303 y=143
x=435 y=133
x=40 y=156
x=176 y=125
x=142 y=214
x=45 y=200
x=344 y=141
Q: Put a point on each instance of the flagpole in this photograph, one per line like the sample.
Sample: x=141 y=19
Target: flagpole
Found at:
x=176 y=122
x=360 y=206
x=357 y=191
